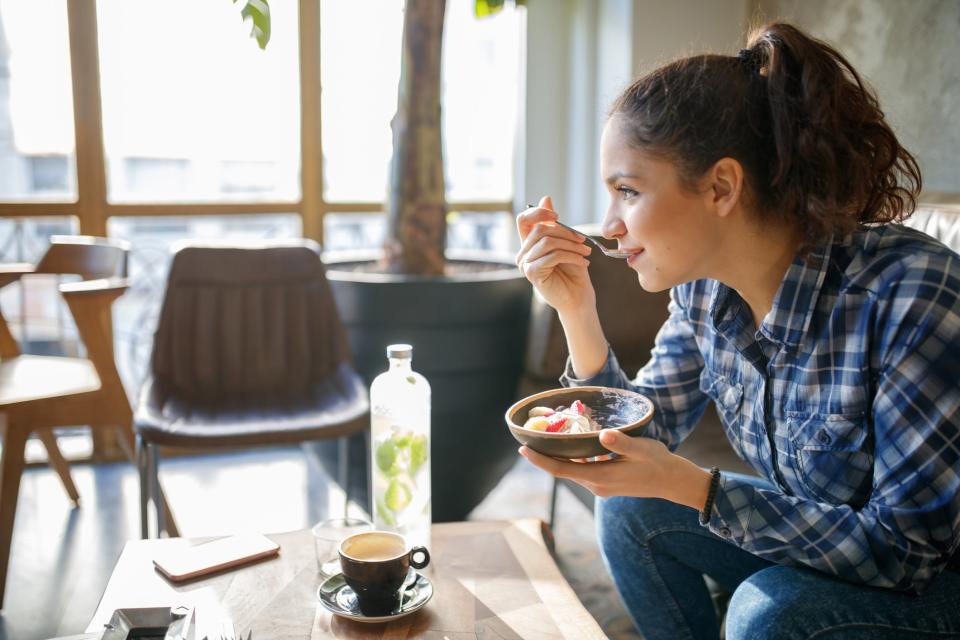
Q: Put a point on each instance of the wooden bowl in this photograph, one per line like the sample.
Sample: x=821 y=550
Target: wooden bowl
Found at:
x=620 y=409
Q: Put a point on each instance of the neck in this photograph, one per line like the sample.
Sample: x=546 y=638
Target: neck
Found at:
x=755 y=262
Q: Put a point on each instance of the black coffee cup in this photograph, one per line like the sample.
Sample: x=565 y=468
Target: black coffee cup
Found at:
x=375 y=565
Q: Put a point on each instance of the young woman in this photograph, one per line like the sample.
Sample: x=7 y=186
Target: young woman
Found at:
x=763 y=189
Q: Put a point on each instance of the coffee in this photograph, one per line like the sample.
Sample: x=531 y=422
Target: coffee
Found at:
x=377 y=566
x=373 y=547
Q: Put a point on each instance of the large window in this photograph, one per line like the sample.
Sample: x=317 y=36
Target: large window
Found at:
x=160 y=122
x=37 y=160
x=192 y=111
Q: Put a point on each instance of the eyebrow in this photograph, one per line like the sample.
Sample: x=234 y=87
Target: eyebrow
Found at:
x=619 y=175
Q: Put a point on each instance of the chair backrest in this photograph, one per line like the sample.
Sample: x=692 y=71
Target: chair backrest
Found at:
x=942 y=221
x=86 y=256
x=257 y=320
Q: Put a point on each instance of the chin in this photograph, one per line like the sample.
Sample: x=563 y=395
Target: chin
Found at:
x=653 y=285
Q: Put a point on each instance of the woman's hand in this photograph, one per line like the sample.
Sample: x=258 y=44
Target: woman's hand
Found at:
x=644 y=468
x=554 y=259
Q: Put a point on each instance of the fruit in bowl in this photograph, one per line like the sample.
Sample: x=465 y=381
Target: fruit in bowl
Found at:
x=570 y=407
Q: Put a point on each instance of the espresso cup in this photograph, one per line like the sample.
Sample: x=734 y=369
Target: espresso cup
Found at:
x=375 y=564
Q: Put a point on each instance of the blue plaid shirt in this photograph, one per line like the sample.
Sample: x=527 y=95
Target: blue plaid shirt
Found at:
x=846 y=399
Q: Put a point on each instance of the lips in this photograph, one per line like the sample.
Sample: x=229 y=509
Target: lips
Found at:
x=635 y=253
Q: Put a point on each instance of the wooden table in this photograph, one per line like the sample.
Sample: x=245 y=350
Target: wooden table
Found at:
x=491 y=579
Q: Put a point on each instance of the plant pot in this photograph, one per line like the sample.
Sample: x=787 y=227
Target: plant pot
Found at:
x=468 y=332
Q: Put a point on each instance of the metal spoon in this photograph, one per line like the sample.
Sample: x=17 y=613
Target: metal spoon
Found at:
x=610 y=253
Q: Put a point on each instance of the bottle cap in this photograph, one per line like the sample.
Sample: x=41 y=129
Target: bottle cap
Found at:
x=400 y=351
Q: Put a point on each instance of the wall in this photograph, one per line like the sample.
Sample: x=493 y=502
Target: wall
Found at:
x=909 y=52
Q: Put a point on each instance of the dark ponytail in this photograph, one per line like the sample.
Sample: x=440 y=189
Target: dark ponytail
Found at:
x=811 y=137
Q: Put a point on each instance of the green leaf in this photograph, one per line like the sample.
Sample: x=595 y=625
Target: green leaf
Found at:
x=258 y=11
x=385 y=515
x=483 y=8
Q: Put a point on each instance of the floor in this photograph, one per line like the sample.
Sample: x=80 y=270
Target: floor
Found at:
x=62 y=557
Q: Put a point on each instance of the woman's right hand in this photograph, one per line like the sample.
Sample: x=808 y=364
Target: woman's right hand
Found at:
x=554 y=259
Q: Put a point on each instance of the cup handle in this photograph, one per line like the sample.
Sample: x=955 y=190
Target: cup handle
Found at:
x=419 y=564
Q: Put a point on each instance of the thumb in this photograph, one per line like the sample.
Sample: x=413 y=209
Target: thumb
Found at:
x=617 y=442
x=546 y=203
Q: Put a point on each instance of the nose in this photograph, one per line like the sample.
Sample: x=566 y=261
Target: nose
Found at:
x=612 y=226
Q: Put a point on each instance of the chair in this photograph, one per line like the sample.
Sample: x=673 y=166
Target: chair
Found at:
x=38 y=393
x=249 y=351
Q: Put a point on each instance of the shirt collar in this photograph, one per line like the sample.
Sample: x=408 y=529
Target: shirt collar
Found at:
x=793 y=305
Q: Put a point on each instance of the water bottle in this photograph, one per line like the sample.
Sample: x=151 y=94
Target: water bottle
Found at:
x=400 y=448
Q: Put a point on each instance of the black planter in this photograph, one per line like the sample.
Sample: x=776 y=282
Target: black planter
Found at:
x=468 y=333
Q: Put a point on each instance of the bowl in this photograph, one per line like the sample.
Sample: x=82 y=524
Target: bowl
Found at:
x=619 y=409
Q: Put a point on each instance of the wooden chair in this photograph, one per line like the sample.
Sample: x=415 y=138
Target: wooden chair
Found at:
x=38 y=393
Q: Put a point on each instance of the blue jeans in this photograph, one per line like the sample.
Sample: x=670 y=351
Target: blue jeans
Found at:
x=657 y=553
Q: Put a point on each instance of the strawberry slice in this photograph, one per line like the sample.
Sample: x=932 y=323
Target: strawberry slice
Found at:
x=578 y=407
x=556 y=422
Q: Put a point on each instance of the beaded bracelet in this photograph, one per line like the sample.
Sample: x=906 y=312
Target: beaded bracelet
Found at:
x=711 y=494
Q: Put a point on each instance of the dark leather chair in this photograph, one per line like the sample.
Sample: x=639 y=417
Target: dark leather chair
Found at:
x=249 y=351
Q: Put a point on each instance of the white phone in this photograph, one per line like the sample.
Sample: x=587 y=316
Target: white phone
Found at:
x=216 y=555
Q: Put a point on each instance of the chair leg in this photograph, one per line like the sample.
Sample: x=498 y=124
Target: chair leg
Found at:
x=553 y=503
x=59 y=464
x=142 y=472
x=136 y=451
x=153 y=457
x=344 y=472
x=11 y=467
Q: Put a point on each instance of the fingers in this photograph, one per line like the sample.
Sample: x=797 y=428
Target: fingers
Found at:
x=537 y=247
x=540 y=270
x=585 y=473
x=528 y=219
x=617 y=442
x=543 y=239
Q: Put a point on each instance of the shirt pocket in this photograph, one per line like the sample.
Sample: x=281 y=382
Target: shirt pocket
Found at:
x=728 y=398
x=834 y=456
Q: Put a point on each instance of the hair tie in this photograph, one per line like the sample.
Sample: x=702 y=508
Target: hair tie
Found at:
x=750 y=58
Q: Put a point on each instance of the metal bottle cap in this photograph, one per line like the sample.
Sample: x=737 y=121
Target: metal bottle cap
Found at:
x=400 y=351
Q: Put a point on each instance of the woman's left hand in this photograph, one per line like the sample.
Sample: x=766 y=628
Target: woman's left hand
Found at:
x=643 y=468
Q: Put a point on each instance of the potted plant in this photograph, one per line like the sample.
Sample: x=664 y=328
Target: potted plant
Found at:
x=466 y=318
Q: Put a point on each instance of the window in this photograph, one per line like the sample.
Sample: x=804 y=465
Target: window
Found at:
x=480 y=83
x=37 y=160
x=192 y=109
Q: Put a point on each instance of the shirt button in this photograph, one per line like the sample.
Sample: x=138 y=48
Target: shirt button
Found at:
x=823 y=438
x=725 y=532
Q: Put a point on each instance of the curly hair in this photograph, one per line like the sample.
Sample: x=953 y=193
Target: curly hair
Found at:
x=810 y=135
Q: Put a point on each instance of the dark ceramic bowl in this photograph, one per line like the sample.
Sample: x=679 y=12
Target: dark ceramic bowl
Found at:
x=619 y=409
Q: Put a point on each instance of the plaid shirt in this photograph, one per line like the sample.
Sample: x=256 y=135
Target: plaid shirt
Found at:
x=846 y=399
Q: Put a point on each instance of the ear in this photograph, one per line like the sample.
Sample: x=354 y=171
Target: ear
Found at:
x=724 y=186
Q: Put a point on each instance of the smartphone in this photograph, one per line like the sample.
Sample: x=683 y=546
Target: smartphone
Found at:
x=216 y=555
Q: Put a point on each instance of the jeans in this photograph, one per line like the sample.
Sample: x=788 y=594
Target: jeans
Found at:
x=657 y=553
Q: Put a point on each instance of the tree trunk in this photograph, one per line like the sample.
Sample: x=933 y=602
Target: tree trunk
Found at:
x=417 y=204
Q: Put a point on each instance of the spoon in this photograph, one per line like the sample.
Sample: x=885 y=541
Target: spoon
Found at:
x=610 y=253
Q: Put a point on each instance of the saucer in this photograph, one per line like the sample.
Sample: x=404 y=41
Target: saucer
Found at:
x=340 y=600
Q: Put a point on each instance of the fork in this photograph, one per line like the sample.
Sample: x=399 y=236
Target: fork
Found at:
x=610 y=253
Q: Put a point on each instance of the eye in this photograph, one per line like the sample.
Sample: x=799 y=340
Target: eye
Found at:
x=627 y=192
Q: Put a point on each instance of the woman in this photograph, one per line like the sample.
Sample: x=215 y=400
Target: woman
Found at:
x=762 y=190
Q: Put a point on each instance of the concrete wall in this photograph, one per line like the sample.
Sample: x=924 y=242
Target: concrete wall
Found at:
x=910 y=52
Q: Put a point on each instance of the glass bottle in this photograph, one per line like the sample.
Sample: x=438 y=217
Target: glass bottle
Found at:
x=400 y=448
